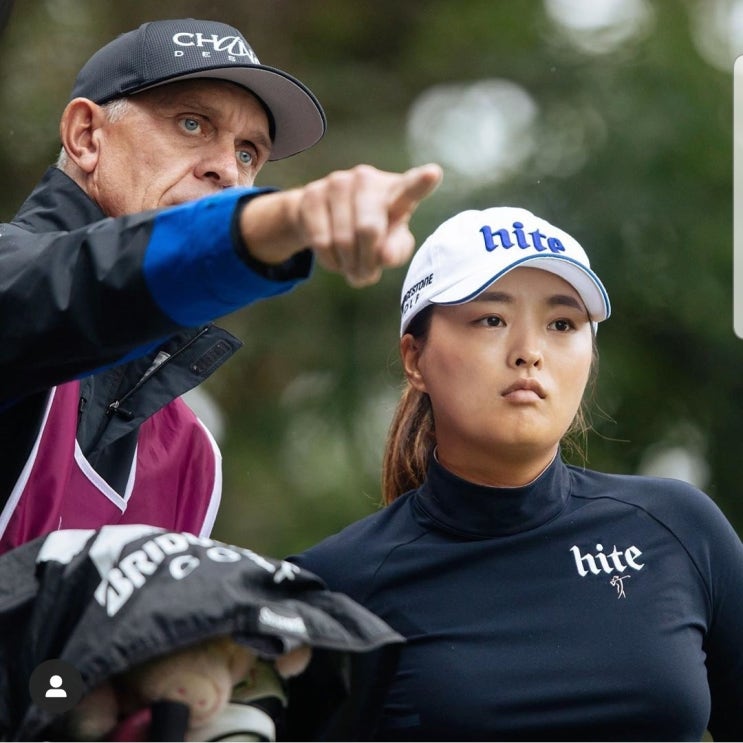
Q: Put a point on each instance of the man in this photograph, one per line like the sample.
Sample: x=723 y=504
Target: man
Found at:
x=148 y=229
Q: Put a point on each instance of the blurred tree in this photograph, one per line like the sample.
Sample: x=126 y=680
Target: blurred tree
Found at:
x=626 y=142
x=6 y=6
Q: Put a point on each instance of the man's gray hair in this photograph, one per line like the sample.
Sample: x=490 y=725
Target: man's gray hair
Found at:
x=114 y=110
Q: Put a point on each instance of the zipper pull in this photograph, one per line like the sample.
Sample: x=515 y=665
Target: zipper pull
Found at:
x=115 y=409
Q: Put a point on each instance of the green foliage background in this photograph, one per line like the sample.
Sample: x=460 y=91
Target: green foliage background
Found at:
x=308 y=399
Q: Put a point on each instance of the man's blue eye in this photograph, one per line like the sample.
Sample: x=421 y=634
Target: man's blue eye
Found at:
x=245 y=157
x=190 y=125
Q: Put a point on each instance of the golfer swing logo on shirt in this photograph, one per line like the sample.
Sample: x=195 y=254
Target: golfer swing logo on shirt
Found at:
x=618 y=583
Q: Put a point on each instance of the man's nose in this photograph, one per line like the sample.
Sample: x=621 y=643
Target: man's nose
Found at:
x=219 y=165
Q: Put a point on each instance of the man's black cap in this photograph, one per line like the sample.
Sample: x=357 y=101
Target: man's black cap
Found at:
x=162 y=52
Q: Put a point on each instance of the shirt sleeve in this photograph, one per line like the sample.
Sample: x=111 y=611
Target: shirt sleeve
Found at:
x=724 y=641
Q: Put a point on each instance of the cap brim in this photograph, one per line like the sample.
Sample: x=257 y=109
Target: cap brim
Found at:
x=299 y=118
x=581 y=278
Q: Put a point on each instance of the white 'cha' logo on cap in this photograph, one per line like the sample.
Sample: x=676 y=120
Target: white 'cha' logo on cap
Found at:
x=233 y=46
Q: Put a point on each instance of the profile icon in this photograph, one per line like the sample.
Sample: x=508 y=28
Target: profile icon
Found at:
x=55 y=686
x=55 y=690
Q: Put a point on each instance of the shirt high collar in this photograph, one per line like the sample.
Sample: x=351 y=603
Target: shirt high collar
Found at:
x=480 y=511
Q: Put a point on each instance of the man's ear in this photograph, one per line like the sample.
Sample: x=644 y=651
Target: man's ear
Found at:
x=410 y=351
x=78 y=128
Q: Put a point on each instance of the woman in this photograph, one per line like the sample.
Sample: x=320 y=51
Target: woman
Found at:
x=539 y=600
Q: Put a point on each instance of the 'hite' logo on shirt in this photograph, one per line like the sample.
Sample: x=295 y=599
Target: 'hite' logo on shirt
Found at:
x=601 y=562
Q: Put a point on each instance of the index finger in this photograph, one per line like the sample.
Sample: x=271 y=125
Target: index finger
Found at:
x=416 y=184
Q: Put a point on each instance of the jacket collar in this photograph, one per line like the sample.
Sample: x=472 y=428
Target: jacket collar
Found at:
x=57 y=204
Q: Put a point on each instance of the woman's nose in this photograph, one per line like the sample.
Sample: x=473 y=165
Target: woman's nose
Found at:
x=525 y=352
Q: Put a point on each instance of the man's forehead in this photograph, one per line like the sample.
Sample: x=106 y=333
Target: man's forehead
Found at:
x=206 y=91
x=211 y=97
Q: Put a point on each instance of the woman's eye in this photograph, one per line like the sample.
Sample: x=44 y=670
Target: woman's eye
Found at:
x=245 y=157
x=562 y=325
x=190 y=125
x=493 y=321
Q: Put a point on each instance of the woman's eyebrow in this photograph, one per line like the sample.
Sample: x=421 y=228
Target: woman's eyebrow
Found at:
x=493 y=296
x=555 y=300
x=565 y=300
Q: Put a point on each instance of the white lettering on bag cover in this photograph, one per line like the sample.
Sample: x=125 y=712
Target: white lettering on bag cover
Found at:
x=293 y=624
x=601 y=562
x=131 y=572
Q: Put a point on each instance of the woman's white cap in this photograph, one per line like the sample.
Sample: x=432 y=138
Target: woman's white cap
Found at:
x=473 y=249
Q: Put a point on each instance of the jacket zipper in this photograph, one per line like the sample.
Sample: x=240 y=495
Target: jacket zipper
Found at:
x=161 y=360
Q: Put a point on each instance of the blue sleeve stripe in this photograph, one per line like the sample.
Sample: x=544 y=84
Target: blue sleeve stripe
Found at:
x=191 y=266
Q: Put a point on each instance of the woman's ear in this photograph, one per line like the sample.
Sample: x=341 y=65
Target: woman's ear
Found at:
x=78 y=128
x=410 y=351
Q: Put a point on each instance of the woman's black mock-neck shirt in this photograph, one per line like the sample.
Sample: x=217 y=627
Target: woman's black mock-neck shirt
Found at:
x=582 y=606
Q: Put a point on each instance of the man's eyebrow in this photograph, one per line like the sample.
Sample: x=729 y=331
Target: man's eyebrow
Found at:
x=260 y=139
x=197 y=104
